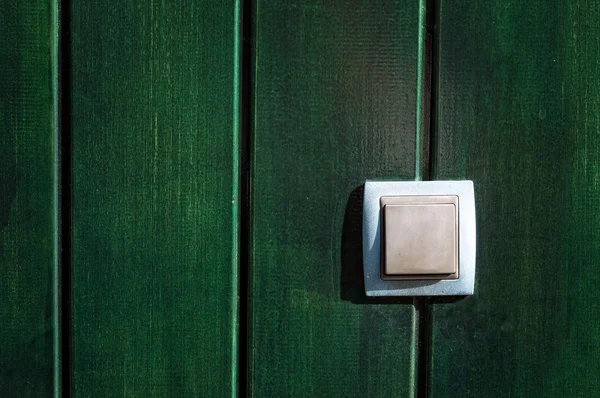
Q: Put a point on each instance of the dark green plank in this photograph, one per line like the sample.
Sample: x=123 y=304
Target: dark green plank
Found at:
x=335 y=104
x=27 y=199
x=519 y=114
x=154 y=262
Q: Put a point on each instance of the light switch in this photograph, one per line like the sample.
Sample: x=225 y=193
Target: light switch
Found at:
x=420 y=237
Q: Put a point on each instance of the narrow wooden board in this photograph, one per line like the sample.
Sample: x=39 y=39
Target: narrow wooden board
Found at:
x=335 y=89
x=518 y=112
x=154 y=163
x=28 y=206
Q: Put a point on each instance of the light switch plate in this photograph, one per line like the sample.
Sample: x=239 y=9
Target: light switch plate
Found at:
x=395 y=193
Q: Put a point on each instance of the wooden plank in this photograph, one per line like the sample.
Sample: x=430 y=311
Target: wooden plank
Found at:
x=154 y=174
x=334 y=104
x=28 y=206
x=518 y=112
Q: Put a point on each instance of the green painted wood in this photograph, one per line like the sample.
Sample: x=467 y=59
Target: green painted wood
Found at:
x=335 y=88
x=27 y=199
x=154 y=217
x=518 y=112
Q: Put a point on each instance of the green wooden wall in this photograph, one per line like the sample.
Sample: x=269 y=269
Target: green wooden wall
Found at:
x=518 y=112
x=337 y=94
x=154 y=198
x=28 y=206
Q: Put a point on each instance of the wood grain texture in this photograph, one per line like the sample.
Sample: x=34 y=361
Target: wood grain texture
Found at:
x=154 y=264
x=518 y=112
x=334 y=104
x=27 y=199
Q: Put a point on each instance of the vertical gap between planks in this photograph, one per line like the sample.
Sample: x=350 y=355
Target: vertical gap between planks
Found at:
x=63 y=102
x=422 y=332
x=244 y=67
x=237 y=200
x=433 y=19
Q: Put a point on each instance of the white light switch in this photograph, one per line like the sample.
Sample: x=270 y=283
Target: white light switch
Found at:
x=419 y=238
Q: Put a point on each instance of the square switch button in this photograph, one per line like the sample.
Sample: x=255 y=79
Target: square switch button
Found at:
x=420 y=237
